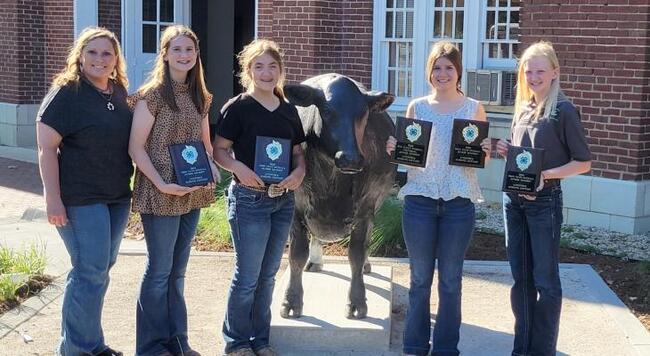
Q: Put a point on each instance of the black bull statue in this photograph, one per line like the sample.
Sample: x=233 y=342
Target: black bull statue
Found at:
x=348 y=176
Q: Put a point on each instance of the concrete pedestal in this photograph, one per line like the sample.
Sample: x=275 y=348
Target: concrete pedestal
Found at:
x=323 y=325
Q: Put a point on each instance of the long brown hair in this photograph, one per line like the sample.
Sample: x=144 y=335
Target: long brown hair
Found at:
x=447 y=50
x=160 y=79
x=72 y=71
x=253 y=50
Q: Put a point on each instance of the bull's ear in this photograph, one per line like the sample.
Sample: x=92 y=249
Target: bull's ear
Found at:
x=303 y=95
x=379 y=101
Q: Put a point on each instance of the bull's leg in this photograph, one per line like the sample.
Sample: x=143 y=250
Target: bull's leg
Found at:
x=298 y=252
x=315 y=263
x=357 y=255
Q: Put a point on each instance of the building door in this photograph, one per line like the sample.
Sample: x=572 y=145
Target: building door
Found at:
x=223 y=28
x=145 y=20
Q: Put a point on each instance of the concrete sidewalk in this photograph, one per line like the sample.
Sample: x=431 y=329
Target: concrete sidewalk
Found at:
x=594 y=320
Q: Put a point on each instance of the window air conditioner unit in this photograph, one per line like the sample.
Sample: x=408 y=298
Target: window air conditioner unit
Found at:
x=492 y=87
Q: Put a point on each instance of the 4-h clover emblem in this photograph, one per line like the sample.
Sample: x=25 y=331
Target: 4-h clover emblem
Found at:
x=470 y=133
x=524 y=160
x=413 y=131
x=274 y=150
x=190 y=154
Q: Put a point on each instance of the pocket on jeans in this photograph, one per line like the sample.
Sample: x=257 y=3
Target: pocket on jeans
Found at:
x=544 y=199
x=249 y=198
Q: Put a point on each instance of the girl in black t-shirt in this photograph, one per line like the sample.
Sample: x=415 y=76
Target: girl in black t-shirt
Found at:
x=83 y=135
x=260 y=214
x=543 y=118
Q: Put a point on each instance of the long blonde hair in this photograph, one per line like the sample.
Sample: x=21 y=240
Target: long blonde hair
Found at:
x=159 y=78
x=524 y=94
x=72 y=71
x=447 y=50
x=253 y=50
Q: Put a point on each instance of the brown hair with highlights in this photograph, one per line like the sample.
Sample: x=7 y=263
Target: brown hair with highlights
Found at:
x=447 y=50
x=253 y=50
x=72 y=71
x=159 y=78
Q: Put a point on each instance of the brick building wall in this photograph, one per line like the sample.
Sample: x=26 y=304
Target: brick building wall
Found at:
x=604 y=52
x=35 y=40
x=59 y=36
x=320 y=36
x=110 y=15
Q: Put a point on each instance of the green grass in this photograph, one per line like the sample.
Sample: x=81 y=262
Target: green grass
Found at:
x=213 y=230
x=579 y=235
x=481 y=215
x=387 y=230
x=17 y=268
x=565 y=243
x=567 y=228
x=585 y=248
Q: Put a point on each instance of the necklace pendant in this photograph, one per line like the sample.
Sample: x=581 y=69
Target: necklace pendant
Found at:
x=110 y=106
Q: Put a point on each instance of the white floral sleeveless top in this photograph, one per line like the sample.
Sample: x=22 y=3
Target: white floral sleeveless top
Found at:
x=439 y=180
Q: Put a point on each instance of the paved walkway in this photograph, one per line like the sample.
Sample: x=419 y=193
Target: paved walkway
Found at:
x=594 y=320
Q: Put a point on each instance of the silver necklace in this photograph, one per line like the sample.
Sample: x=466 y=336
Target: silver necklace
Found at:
x=106 y=96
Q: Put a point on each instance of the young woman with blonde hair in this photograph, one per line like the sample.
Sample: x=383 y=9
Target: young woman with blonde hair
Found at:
x=260 y=216
x=544 y=118
x=170 y=108
x=438 y=216
x=83 y=134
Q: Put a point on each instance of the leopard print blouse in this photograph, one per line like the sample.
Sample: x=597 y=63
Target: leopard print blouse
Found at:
x=169 y=128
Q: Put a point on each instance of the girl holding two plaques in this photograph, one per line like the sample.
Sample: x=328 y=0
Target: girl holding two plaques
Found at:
x=83 y=135
x=543 y=118
x=260 y=214
x=438 y=216
x=170 y=108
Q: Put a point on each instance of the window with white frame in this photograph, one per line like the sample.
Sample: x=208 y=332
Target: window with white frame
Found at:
x=500 y=32
x=398 y=46
x=157 y=15
x=486 y=32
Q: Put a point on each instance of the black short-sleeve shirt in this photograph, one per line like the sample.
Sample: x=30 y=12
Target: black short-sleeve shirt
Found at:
x=94 y=163
x=243 y=118
x=561 y=136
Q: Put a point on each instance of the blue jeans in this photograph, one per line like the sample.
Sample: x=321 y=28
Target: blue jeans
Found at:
x=435 y=229
x=92 y=237
x=161 y=315
x=259 y=226
x=532 y=243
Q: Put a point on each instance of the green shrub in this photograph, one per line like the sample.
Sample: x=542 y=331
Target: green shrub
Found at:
x=387 y=230
x=17 y=268
x=213 y=230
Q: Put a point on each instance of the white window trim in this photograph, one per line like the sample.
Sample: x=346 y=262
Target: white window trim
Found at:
x=86 y=13
x=491 y=63
x=472 y=46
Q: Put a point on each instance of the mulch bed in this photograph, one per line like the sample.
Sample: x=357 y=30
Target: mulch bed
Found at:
x=33 y=287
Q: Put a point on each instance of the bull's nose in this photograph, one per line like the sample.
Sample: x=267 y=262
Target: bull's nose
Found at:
x=348 y=163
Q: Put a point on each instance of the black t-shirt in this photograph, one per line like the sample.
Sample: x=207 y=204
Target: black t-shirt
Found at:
x=94 y=163
x=243 y=118
x=561 y=136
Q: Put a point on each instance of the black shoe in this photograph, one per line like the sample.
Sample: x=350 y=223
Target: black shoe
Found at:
x=110 y=352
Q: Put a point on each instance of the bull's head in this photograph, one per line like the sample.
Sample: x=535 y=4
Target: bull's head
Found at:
x=343 y=112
